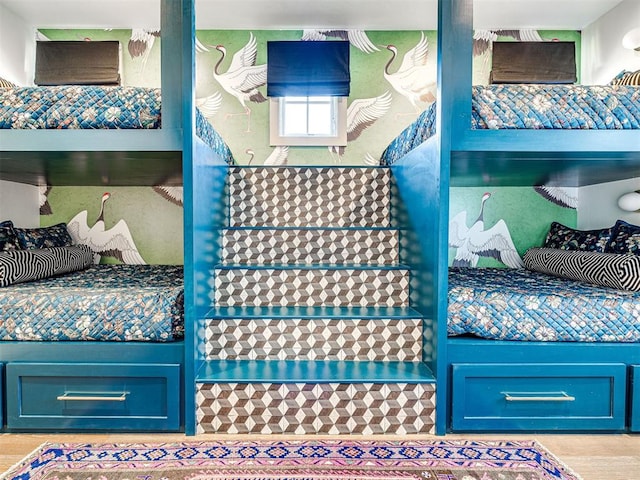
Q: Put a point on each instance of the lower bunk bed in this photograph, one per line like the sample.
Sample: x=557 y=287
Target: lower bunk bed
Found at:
x=528 y=351
x=101 y=348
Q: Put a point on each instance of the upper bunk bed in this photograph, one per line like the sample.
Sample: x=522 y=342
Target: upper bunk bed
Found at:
x=118 y=156
x=488 y=141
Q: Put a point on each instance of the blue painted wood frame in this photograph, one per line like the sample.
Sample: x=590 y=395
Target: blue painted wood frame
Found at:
x=205 y=176
x=182 y=31
x=634 y=393
x=138 y=353
x=1 y=395
x=424 y=198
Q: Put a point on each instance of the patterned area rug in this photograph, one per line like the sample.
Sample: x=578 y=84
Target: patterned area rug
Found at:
x=293 y=460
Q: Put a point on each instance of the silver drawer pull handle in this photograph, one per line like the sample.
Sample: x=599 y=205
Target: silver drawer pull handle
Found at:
x=105 y=397
x=558 y=397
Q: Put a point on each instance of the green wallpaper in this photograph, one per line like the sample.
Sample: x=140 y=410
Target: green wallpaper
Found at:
x=367 y=81
x=156 y=224
x=526 y=213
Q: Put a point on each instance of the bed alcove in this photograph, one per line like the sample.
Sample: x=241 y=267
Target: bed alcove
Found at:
x=172 y=155
x=475 y=373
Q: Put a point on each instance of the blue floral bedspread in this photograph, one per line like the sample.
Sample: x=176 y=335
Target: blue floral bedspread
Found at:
x=103 y=303
x=93 y=107
x=518 y=304
x=609 y=107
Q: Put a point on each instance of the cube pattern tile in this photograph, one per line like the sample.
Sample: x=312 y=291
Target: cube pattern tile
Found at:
x=312 y=237
x=315 y=339
x=310 y=246
x=309 y=196
x=316 y=408
x=311 y=287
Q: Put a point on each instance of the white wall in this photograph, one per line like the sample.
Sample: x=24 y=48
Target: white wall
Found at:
x=19 y=203
x=603 y=56
x=17 y=48
x=599 y=204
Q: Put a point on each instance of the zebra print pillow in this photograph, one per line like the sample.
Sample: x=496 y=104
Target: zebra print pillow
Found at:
x=6 y=83
x=621 y=271
x=18 y=266
x=627 y=78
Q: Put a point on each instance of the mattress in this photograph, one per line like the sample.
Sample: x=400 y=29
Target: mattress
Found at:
x=566 y=107
x=124 y=303
x=93 y=107
x=518 y=304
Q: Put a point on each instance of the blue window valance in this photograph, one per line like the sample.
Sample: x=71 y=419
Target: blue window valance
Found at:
x=308 y=68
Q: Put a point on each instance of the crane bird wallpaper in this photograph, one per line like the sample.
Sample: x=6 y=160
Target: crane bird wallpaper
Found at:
x=393 y=79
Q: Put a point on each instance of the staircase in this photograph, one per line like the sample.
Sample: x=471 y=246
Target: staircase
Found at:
x=311 y=329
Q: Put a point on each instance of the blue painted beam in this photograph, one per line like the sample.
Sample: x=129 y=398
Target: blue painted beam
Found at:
x=471 y=350
x=567 y=143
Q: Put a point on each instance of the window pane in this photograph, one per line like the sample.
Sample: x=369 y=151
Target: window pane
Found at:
x=320 y=119
x=294 y=119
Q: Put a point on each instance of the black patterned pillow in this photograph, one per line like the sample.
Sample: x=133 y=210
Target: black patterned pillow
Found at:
x=18 y=266
x=567 y=238
x=627 y=78
x=44 y=237
x=625 y=238
x=620 y=271
x=8 y=239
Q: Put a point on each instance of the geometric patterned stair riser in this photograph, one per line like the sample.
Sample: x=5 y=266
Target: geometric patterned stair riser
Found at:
x=313 y=237
x=309 y=246
x=307 y=196
x=311 y=287
x=394 y=340
x=316 y=408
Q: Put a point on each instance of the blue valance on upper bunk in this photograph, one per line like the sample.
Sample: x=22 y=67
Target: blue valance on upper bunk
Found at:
x=308 y=68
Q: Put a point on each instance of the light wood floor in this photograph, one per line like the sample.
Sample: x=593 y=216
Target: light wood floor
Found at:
x=593 y=457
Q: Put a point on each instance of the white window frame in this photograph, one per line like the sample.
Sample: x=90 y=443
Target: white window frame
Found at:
x=277 y=139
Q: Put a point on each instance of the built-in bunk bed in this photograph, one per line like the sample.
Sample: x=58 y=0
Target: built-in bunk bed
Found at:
x=555 y=345
x=103 y=347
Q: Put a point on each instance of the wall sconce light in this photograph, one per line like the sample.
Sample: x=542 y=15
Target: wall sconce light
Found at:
x=630 y=202
x=631 y=40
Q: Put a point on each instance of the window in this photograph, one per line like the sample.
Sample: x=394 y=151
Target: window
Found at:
x=308 y=121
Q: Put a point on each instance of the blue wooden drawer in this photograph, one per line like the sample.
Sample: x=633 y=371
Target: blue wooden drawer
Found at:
x=67 y=396
x=634 y=423
x=538 y=397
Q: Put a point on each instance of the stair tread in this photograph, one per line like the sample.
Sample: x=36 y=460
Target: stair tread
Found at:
x=303 y=371
x=312 y=266
x=312 y=312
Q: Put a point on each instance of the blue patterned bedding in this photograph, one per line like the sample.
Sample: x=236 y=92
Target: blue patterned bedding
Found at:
x=103 y=303
x=518 y=304
x=93 y=107
x=611 y=107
